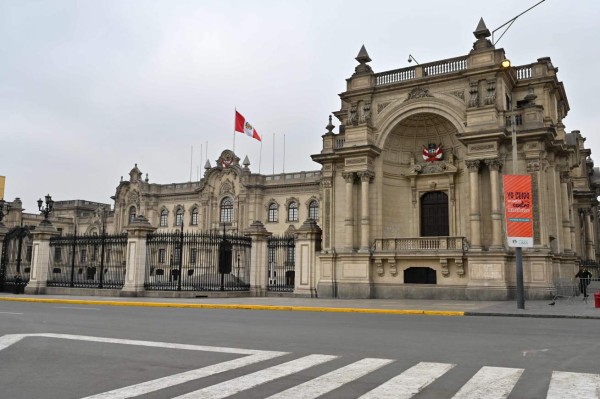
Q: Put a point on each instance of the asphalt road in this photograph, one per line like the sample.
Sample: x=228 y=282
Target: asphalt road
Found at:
x=299 y=346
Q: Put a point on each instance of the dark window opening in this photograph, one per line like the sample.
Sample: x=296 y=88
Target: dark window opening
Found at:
x=420 y=275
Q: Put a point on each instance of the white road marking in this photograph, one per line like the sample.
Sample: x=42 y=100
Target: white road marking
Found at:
x=490 y=383
x=74 y=308
x=236 y=385
x=574 y=386
x=410 y=382
x=8 y=340
x=330 y=381
x=10 y=313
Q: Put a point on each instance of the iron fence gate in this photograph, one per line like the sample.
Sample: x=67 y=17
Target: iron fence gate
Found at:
x=88 y=261
x=197 y=262
x=281 y=263
x=15 y=262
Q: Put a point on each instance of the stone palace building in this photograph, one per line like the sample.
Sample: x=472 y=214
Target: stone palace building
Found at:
x=408 y=199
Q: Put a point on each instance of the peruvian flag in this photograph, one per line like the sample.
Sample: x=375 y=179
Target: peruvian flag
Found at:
x=243 y=126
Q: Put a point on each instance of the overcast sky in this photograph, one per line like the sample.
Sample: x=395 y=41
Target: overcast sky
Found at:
x=89 y=88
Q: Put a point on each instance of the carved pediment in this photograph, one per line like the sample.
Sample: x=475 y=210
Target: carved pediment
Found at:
x=431 y=168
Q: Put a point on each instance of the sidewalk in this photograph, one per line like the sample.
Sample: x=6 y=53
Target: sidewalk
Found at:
x=563 y=308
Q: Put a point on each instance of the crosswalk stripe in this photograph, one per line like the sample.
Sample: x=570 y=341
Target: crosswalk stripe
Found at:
x=8 y=340
x=330 y=381
x=574 y=386
x=236 y=385
x=161 y=383
x=410 y=382
x=490 y=383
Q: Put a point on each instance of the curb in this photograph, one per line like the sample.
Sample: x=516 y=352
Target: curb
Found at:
x=531 y=315
x=239 y=307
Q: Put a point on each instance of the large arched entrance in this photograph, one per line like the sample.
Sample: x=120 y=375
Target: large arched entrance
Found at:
x=434 y=214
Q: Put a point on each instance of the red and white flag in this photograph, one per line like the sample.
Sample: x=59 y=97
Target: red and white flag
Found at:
x=243 y=126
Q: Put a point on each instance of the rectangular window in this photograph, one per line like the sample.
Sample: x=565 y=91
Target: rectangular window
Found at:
x=95 y=253
x=195 y=218
x=57 y=254
x=193 y=256
x=162 y=254
x=29 y=253
x=83 y=256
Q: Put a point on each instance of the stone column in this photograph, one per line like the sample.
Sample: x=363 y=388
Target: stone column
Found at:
x=308 y=243
x=135 y=269
x=475 y=213
x=365 y=221
x=349 y=219
x=258 y=258
x=566 y=218
x=589 y=236
x=494 y=166
x=40 y=259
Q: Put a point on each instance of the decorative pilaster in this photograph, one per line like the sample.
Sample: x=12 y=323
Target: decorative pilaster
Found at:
x=589 y=235
x=566 y=217
x=365 y=222
x=349 y=177
x=308 y=237
x=494 y=166
x=475 y=212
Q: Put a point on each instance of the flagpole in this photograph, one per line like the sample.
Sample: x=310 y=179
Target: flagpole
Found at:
x=260 y=157
x=273 y=153
x=234 y=115
x=283 y=160
x=191 y=161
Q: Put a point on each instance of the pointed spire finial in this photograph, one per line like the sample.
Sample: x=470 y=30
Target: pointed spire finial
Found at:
x=481 y=31
x=207 y=165
x=363 y=56
x=246 y=162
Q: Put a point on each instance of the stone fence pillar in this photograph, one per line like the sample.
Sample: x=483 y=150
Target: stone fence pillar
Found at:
x=40 y=259
x=137 y=235
x=308 y=244
x=258 y=258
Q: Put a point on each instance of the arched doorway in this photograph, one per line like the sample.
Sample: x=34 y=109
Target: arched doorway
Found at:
x=434 y=214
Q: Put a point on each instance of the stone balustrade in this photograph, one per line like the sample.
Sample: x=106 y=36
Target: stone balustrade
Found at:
x=433 y=245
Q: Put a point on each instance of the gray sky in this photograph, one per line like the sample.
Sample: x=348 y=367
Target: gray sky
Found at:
x=88 y=88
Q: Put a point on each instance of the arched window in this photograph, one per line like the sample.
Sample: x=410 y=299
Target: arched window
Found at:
x=179 y=217
x=131 y=214
x=272 y=212
x=293 y=212
x=163 y=218
x=226 y=210
x=195 y=217
x=313 y=210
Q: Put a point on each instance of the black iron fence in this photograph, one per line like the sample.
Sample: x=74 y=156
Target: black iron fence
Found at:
x=15 y=260
x=197 y=262
x=88 y=261
x=281 y=260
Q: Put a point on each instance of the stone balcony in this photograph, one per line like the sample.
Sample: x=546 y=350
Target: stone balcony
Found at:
x=420 y=246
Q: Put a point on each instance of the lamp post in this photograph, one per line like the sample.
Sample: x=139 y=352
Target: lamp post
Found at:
x=103 y=214
x=46 y=209
x=515 y=169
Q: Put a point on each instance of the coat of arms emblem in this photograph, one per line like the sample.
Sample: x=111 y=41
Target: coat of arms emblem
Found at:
x=433 y=152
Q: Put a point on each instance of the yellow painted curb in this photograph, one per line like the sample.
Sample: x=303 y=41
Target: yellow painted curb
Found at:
x=237 y=306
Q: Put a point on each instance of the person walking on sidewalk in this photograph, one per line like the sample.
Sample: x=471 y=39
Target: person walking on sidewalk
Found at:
x=584 y=277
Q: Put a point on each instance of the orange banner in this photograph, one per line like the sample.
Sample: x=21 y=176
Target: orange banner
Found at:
x=518 y=207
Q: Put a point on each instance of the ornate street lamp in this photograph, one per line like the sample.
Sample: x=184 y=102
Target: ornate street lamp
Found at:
x=47 y=209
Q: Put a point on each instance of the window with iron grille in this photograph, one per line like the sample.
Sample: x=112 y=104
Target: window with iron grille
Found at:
x=179 y=217
x=162 y=255
x=163 y=218
x=313 y=210
x=272 y=212
x=193 y=255
x=57 y=254
x=83 y=255
x=293 y=212
x=291 y=255
x=226 y=210
x=195 y=217
x=131 y=214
